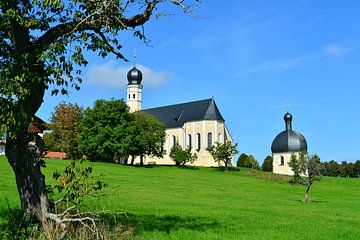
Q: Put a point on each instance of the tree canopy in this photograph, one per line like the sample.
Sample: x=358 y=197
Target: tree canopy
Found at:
x=267 y=165
x=65 y=124
x=42 y=46
x=105 y=131
x=182 y=156
x=148 y=136
x=223 y=152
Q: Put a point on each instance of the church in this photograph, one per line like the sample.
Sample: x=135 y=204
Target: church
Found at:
x=285 y=144
x=196 y=124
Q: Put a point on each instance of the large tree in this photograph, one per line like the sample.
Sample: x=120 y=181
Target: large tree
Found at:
x=105 y=132
x=65 y=124
x=41 y=47
x=148 y=137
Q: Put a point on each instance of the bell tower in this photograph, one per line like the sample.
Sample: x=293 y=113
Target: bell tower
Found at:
x=134 y=88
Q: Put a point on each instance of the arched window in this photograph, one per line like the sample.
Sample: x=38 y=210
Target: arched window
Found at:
x=209 y=136
x=189 y=141
x=134 y=96
x=198 y=142
x=282 y=161
x=129 y=96
x=173 y=140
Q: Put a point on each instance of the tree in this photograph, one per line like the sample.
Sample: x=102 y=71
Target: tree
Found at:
x=267 y=165
x=251 y=162
x=357 y=168
x=223 y=152
x=307 y=169
x=65 y=124
x=147 y=137
x=241 y=160
x=298 y=164
x=182 y=156
x=42 y=45
x=105 y=131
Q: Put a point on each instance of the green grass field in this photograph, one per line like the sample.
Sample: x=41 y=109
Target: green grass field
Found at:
x=205 y=203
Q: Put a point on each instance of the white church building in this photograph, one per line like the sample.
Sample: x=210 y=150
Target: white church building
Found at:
x=285 y=144
x=196 y=124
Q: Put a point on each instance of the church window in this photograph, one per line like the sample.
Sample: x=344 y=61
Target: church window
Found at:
x=189 y=141
x=174 y=140
x=134 y=96
x=129 y=96
x=198 y=142
x=209 y=140
x=282 y=161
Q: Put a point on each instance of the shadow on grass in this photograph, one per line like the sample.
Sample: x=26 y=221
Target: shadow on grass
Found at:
x=167 y=223
x=189 y=167
x=230 y=169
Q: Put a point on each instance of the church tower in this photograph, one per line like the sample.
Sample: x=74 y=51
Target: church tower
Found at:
x=134 y=88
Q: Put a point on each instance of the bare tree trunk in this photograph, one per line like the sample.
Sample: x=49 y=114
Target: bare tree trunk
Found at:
x=307 y=193
x=226 y=165
x=132 y=159
x=30 y=181
x=141 y=160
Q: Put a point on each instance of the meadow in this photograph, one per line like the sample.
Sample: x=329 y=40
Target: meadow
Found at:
x=207 y=203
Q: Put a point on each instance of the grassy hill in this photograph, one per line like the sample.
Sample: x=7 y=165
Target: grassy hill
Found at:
x=205 y=203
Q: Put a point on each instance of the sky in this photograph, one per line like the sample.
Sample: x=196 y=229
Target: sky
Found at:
x=255 y=58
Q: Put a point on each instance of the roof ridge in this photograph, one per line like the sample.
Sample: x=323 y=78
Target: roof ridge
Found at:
x=177 y=104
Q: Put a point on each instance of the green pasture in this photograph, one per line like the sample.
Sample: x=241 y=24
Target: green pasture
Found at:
x=206 y=203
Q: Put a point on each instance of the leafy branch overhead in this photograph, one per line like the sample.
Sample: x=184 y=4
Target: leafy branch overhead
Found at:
x=42 y=43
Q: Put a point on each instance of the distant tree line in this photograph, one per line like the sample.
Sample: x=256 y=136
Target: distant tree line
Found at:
x=345 y=169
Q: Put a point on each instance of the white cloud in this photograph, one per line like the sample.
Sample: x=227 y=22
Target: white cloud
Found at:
x=110 y=75
x=334 y=50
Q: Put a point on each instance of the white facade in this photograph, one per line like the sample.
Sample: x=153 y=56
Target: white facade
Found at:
x=134 y=97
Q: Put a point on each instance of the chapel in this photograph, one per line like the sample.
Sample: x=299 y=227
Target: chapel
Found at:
x=285 y=144
x=196 y=124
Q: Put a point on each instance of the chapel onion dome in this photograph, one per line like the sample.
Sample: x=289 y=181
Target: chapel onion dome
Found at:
x=289 y=140
x=134 y=76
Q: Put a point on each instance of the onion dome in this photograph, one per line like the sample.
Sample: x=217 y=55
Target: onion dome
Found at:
x=289 y=140
x=134 y=76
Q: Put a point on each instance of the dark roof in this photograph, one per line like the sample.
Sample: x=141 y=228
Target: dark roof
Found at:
x=173 y=116
x=289 y=141
x=134 y=76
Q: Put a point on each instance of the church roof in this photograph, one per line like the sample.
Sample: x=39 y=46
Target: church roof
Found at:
x=174 y=116
x=289 y=140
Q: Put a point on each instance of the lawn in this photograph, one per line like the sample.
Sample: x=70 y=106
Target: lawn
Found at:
x=205 y=203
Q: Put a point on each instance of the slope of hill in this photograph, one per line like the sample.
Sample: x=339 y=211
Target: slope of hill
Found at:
x=205 y=203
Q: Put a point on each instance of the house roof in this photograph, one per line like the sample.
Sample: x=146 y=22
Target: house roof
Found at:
x=59 y=155
x=174 y=116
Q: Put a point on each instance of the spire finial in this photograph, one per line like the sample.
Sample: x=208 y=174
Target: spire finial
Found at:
x=135 y=57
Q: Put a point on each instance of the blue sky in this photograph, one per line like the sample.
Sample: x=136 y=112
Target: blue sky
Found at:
x=253 y=57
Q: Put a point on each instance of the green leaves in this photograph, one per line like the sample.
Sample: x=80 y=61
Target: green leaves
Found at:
x=75 y=183
x=181 y=156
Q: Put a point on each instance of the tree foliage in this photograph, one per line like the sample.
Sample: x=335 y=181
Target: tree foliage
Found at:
x=251 y=162
x=65 y=124
x=267 y=165
x=223 y=152
x=182 y=156
x=298 y=164
x=306 y=170
x=42 y=46
x=105 y=131
x=241 y=160
x=147 y=136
